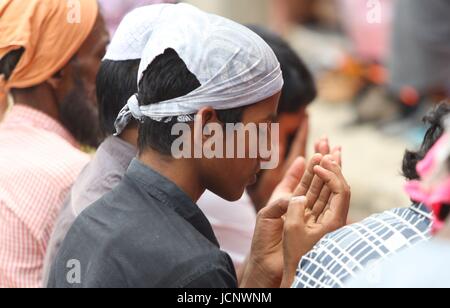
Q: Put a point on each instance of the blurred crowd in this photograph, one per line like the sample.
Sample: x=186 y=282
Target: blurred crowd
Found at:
x=394 y=64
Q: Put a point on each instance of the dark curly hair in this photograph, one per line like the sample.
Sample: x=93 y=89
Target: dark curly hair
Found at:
x=436 y=128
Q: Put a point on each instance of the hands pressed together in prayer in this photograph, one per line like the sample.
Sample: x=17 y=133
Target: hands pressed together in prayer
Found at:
x=311 y=201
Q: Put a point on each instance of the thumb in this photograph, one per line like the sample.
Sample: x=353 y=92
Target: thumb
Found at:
x=275 y=210
x=292 y=177
x=295 y=217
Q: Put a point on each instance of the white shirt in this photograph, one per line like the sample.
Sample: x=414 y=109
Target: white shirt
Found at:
x=423 y=266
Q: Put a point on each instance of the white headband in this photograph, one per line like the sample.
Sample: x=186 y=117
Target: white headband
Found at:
x=133 y=33
x=235 y=67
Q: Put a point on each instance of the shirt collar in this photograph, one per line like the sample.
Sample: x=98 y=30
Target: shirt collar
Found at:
x=120 y=150
x=21 y=115
x=160 y=187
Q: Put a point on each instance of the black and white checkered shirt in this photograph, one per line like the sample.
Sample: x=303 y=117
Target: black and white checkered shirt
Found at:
x=342 y=254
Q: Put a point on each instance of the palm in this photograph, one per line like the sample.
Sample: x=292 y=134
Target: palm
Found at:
x=268 y=241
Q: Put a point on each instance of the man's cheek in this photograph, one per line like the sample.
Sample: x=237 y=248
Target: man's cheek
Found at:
x=270 y=156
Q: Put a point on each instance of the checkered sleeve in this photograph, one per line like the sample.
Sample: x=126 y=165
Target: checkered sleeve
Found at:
x=22 y=254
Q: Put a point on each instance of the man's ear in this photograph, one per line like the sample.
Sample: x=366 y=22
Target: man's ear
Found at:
x=203 y=119
x=55 y=80
x=61 y=82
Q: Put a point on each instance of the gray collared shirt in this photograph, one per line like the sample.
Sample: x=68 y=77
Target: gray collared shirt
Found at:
x=145 y=233
x=103 y=173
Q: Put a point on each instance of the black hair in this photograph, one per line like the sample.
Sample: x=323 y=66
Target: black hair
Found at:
x=116 y=83
x=9 y=62
x=168 y=77
x=299 y=87
x=436 y=129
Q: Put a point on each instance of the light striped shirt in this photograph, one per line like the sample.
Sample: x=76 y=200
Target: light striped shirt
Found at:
x=342 y=254
x=39 y=161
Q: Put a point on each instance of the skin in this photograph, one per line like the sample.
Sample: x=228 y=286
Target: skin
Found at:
x=277 y=246
x=291 y=124
x=324 y=209
x=445 y=233
x=50 y=95
x=229 y=186
x=130 y=135
x=286 y=230
x=296 y=126
x=194 y=176
x=3 y=108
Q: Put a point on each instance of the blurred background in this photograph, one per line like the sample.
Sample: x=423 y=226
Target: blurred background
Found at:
x=380 y=65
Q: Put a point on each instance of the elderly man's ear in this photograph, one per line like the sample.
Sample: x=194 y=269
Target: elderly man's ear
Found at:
x=56 y=80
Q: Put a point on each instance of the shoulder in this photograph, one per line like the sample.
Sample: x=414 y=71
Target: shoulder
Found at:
x=343 y=253
x=45 y=162
x=96 y=179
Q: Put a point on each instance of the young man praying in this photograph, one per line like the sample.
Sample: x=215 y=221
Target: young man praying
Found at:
x=199 y=69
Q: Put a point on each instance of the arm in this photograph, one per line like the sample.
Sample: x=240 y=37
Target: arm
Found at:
x=21 y=253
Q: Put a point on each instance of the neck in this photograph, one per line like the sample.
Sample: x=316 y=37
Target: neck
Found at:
x=130 y=135
x=182 y=172
x=40 y=98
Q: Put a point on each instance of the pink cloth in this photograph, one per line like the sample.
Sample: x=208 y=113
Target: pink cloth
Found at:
x=233 y=224
x=114 y=10
x=434 y=187
x=39 y=161
x=371 y=40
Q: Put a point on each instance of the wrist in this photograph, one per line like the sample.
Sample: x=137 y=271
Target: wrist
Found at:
x=290 y=268
x=288 y=279
x=255 y=276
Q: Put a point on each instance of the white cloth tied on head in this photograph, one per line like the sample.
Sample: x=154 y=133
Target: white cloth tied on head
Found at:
x=235 y=67
x=133 y=33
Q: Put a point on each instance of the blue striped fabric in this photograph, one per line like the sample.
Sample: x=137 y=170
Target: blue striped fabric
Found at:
x=342 y=254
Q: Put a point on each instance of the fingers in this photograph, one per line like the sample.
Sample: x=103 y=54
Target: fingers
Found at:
x=332 y=177
x=331 y=174
x=308 y=176
x=295 y=243
x=295 y=217
x=336 y=153
x=318 y=193
x=322 y=202
x=322 y=146
x=291 y=179
x=275 y=210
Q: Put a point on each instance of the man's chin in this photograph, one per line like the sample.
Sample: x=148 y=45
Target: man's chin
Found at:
x=252 y=180
x=231 y=196
x=91 y=138
x=82 y=123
